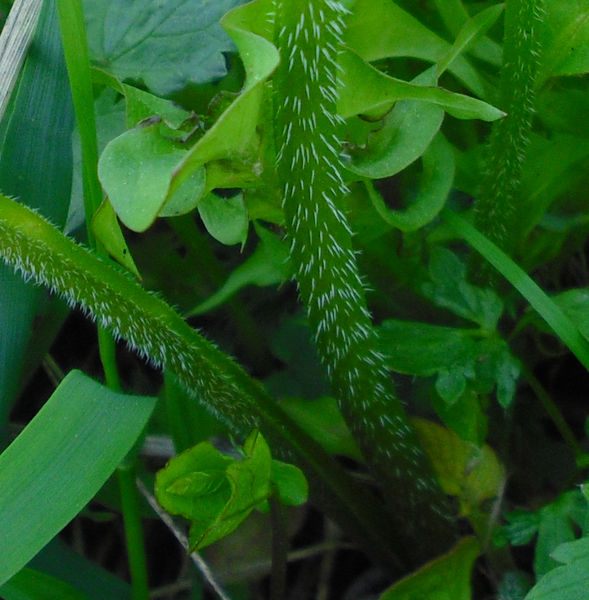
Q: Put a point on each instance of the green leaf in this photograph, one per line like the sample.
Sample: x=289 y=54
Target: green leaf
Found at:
x=322 y=420
x=135 y=170
x=565 y=39
x=60 y=460
x=570 y=551
x=234 y=135
x=449 y=289
x=575 y=304
x=61 y=561
x=226 y=219
x=160 y=43
x=106 y=229
x=446 y=578
x=464 y=416
x=404 y=136
x=433 y=189
x=470 y=33
x=214 y=491
x=421 y=349
x=558 y=321
x=470 y=473
x=569 y=582
x=268 y=265
x=290 y=481
x=366 y=90
x=554 y=525
x=456 y=355
x=380 y=29
x=29 y=584
x=521 y=528
x=141 y=105
x=193 y=484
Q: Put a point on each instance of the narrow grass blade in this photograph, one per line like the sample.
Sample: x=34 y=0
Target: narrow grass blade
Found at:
x=34 y=585
x=562 y=326
x=60 y=460
x=35 y=165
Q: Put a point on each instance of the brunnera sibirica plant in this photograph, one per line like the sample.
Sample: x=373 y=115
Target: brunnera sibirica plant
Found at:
x=404 y=165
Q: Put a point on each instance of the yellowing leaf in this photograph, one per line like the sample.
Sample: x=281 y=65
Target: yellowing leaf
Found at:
x=470 y=473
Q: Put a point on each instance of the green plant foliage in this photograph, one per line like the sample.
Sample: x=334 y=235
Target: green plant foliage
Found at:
x=433 y=582
x=405 y=36
x=217 y=492
x=470 y=473
x=322 y=420
x=376 y=93
x=565 y=39
x=60 y=461
x=225 y=219
x=32 y=148
x=151 y=42
x=553 y=523
x=419 y=170
x=434 y=187
x=458 y=357
x=206 y=373
x=140 y=162
x=268 y=265
x=28 y=584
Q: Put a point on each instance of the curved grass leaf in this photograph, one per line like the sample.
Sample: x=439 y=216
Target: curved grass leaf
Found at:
x=470 y=32
x=29 y=584
x=61 y=561
x=35 y=146
x=60 y=460
x=558 y=321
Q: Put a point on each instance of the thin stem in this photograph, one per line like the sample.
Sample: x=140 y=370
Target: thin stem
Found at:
x=200 y=564
x=552 y=410
x=107 y=350
x=554 y=316
x=133 y=531
x=497 y=210
x=73 y=33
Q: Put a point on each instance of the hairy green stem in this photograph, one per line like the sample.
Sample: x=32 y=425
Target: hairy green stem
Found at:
x=308 y=35
x=154 y=330
x=497 y=214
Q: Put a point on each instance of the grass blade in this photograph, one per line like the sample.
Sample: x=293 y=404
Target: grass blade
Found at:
x=562 y=326
x=60 y=460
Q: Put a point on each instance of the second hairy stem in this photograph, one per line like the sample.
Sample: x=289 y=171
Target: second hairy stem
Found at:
x=306 y=124
x=497 y=212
